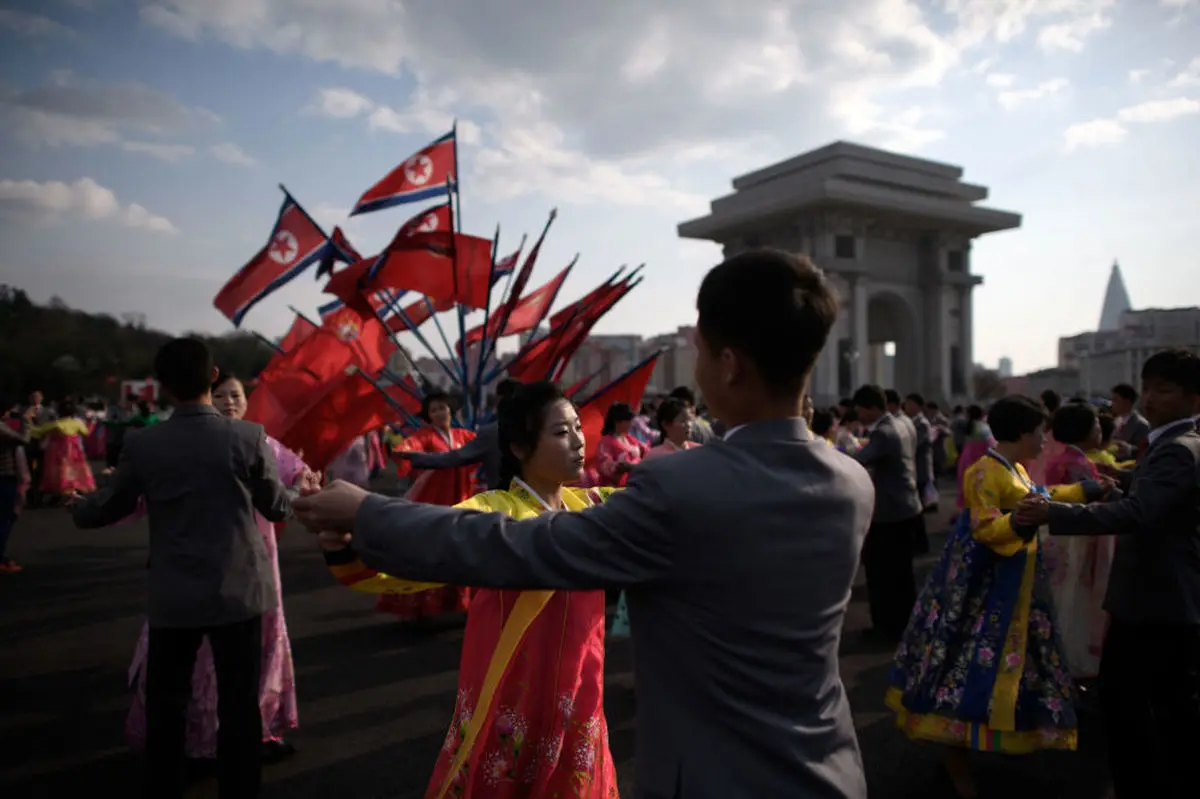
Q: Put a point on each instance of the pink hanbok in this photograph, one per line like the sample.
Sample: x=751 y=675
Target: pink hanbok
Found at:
x=1078 y=568
x=277 y=690
x=610 y=451
x=668 y=447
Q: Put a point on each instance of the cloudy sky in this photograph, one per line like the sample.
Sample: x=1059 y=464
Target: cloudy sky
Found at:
x=143 y=140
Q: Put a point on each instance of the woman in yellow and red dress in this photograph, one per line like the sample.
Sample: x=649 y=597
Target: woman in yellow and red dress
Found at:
x=435 y=487
x=981 y=664
x=536 y=729
x=65 y=469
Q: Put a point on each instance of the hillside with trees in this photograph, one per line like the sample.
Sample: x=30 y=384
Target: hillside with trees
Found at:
x=62 y=351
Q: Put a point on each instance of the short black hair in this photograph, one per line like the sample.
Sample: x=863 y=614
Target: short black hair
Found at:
x=1073 y=423
x=850 y=416
x=1176 y=366
x=773 y=307
x=431 y=399
x=506 y=387
x=1125 y=392
x=892 y=396
x=184 y=367
x=684 y=394
x=669 y=410
x=917 y=399
x=1014 y=416
x=870 y=397
x=822 y=423
x=1052 y=400
x=617 y=412
x=1108 y=426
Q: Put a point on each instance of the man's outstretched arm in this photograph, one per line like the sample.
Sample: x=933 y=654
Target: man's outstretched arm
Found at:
x=626 y=540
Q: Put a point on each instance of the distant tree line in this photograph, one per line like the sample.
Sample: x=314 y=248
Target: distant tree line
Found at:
x=65 y=352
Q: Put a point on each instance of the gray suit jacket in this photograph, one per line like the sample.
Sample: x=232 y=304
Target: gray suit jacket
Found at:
x=1155 y=575
x=924 y=450
x=202 y=476
x=1134 y=430
x=738 y=559
x=484 y=449
x=891 y=456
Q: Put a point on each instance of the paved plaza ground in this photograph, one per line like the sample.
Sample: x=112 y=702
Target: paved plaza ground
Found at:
x=375 y=695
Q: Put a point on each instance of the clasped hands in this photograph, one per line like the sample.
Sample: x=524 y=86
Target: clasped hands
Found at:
x=1034 y=509
x=330 y=511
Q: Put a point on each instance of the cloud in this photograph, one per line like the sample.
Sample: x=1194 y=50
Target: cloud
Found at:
x=230 y=153
x=999 y=80
x=1136 y=76
x=171 y=153
x=644 y=81
x=1100 y=132
x=1094 y=134
x=70 y=112
x=1190 y=76
x=25 y=24
x=84 y=198
x=1070 y=36
x=1015 y=97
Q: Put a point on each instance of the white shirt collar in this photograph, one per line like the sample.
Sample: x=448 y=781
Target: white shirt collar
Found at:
x=1157 y=432
x=729 y=433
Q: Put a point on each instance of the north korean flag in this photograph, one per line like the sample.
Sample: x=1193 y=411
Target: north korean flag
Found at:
x=422 y=177
x=296 y=243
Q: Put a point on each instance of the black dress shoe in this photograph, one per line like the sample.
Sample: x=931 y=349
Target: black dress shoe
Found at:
x=277 y=751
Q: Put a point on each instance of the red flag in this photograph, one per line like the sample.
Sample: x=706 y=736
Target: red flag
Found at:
x=585 y=320
x=349 y=406
x=300 y=330
x=296 y=242
x=421 y=177
x=294 y=382
x=627 y=388
x=431 y=220
x=522 y=314
x=418 y=313
x=424 y=271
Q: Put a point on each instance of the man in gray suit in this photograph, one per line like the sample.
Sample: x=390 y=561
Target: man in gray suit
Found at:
x=484 y=449
x=1150 y=666
x=737 y=557
x=914 y=411
x=202 y=476
x=897 y=526
x=1131 y=434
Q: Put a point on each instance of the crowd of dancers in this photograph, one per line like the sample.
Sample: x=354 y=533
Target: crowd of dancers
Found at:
x=735 y=635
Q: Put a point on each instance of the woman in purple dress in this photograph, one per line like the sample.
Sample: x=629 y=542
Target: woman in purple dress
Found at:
x=277 y=690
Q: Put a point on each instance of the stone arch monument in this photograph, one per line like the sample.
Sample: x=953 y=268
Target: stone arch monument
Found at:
x=894 y=234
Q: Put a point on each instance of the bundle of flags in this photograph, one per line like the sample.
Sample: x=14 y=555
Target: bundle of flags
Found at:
x=330 y=380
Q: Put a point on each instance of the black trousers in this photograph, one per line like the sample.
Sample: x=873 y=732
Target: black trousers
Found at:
x=237 y=656
x=887 y=558
x=1150 y=697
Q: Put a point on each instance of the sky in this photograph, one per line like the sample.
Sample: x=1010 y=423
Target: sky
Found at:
x=143 y=141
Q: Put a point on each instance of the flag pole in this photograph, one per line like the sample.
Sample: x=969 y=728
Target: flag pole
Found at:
x=510 y=301
x=482 y=349
x=456 y=194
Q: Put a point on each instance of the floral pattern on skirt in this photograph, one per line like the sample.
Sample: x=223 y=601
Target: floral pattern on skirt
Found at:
x=953 y=654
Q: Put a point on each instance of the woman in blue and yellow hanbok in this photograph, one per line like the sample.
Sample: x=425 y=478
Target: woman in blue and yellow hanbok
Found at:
x=980 y=665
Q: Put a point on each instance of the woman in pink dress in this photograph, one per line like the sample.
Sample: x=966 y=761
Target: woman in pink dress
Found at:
x=277 y=689
x=619 y=450
x=1078 y=566
x=675 y=420
x=65 y=469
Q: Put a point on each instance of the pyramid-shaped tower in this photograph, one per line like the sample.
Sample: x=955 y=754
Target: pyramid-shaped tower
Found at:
x=1116 y=300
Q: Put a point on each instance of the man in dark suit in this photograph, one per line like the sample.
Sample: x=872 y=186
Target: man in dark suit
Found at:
x=202 y=476
x=1133 y=429
x=484 y=449
x=738 y=557
x=1150 y=666
x=897 y=526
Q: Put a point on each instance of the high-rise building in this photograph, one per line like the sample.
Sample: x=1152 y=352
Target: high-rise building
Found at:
x=1116 y=301
x=1006 y=368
